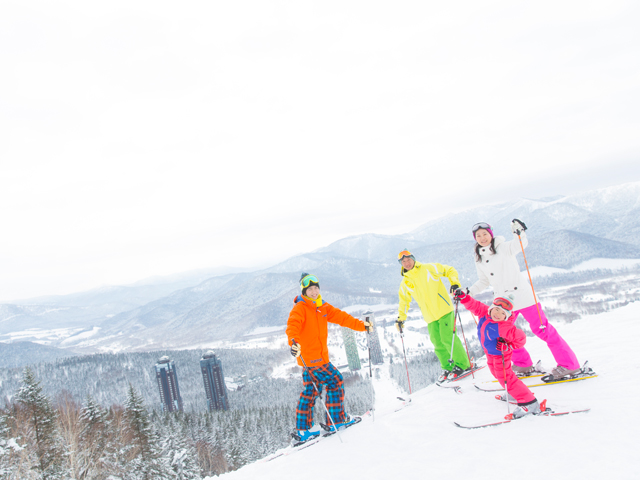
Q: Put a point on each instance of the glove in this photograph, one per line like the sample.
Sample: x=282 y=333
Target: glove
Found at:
x=454 y=287
x=400 y=324
x=295 y=349
x=518 y=226
x=368 y=326
x=502 y=344
x=459 y=293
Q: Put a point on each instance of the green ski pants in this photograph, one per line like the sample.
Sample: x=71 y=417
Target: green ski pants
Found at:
x=441 y=333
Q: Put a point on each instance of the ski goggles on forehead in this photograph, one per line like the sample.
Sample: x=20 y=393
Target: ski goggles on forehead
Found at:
x=402 y=254
x=503 y=303
x=306 y=281
x=480 y=225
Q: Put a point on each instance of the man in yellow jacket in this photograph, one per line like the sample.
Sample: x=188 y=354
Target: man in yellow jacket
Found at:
x=423 y=282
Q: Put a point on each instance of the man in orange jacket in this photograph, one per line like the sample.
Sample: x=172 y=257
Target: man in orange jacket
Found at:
x=307 y=333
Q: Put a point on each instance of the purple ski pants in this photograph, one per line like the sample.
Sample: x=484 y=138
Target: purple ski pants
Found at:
x=560 y=350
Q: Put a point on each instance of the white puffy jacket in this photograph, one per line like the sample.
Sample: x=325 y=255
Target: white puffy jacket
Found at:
x=502 y=272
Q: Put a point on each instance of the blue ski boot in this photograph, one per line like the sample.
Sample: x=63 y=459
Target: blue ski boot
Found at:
x=303 y=436
x=341 y=426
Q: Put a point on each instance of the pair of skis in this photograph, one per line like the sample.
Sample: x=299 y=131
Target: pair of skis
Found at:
x=297 y=445
x=328 y=430
x=545 y=412
x=542 y=379
x=535 y=380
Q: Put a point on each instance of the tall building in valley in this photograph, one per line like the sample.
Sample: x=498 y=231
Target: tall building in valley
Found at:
x=351 y=349
x=373 y=341
x=214 y=386
x=167 y=379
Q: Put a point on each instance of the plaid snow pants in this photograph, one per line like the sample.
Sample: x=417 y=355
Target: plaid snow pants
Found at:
x=327 y=375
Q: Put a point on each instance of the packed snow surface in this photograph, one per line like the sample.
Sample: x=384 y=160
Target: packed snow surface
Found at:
x=421 y=441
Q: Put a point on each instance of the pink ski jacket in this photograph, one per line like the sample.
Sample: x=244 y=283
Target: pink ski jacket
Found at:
x=489 y=330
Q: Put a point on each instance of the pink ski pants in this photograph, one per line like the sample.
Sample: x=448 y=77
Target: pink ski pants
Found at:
x=515 y=387
x=560 y=350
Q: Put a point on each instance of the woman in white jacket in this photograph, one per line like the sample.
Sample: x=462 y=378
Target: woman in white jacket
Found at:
x=497 y=267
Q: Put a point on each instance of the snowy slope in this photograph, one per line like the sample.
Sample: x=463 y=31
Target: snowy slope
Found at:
x=420 y=441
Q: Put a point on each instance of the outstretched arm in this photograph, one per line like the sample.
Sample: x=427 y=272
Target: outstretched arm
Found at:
x=449 y=272
x=518 y=228
x=335 y=315
x=479 y=309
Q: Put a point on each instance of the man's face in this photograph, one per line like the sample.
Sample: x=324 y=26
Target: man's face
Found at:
x=313 y=291
x=407 y=263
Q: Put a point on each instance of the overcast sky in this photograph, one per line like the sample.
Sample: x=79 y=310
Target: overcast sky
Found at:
x=146 y=138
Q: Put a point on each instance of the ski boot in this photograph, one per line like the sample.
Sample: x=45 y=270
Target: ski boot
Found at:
x=303 y=436
x=349 y=421
x=561 y=372
x=523 y=371
x=456 y=372
x=532 y=408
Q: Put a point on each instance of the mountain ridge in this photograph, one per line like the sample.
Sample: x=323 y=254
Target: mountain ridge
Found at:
x=562 y=234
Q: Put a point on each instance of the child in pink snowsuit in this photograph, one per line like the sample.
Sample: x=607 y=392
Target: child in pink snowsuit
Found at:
x=498 y=337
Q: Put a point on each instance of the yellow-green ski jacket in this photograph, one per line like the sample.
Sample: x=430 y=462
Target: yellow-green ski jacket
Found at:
x=423 y=283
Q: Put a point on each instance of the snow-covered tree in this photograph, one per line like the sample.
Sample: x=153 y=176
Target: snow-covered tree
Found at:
x=9 y=449
x=95 y=447
x=140 y=443
x=40 y=430
x=177 y=449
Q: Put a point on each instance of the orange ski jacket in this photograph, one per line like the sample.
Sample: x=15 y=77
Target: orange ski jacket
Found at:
x=307 y=324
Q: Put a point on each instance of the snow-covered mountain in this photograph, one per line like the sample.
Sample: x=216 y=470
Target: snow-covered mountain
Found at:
x=610 y=213
x=75 y=312
x=563 y=232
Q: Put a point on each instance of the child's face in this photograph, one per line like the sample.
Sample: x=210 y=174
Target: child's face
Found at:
x=313 y=291
x=498 y=315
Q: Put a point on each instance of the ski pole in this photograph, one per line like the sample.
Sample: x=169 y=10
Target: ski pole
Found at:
x=506 y=389
x=531 y=282
x=466 y=346
x=373 y=395
x=406 y=365
x=320 y=395
x=453 y=337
